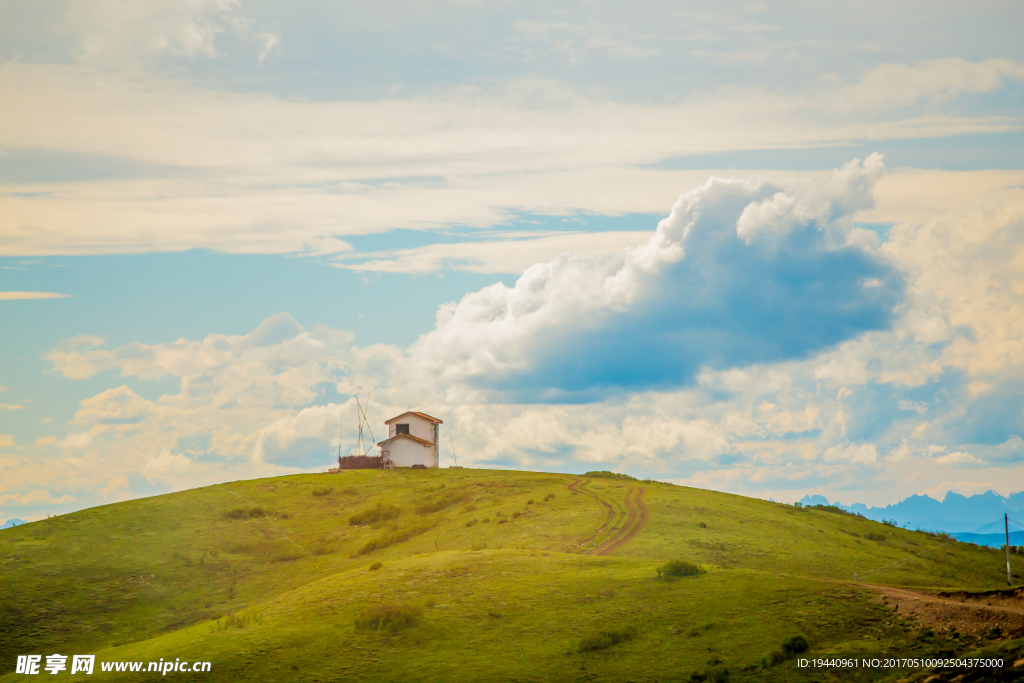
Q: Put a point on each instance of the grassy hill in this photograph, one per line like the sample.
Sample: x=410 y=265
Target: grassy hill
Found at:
x=468 y=575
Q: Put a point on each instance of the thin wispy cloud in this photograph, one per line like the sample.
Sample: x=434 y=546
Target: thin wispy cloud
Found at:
x=19 y=296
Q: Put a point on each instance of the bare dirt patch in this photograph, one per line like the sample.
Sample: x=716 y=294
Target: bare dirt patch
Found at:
x=991 y=615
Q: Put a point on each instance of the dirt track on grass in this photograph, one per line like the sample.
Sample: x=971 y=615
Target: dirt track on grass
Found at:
x=636 y=518
x=971 y=613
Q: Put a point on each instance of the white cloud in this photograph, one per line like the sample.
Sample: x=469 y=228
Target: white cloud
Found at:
x=11 y=406
x=17 y=296
x=37 y=497
x=257 y=173
x=898 y=85
x=122 y=34
x=843 y=193
x=114 y=406
x=500 y=332
x=875 y=416
x=504 y=253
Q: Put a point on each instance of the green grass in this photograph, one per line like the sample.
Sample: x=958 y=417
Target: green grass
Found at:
x=284 y=593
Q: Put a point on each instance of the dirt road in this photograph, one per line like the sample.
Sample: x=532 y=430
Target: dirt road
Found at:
x=970 y=613
x=619 y=527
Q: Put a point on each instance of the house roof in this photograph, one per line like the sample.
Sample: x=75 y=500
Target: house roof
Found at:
x=413 y=412
x=406 y=436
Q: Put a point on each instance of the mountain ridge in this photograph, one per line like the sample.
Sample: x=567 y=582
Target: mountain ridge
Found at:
x=954 y=514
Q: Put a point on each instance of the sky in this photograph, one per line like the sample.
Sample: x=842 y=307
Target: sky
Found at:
x=774 y=249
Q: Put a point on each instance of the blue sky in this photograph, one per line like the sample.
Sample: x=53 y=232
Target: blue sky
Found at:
x=768 y=248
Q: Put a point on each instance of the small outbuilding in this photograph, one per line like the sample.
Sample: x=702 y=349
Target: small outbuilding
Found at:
x=412 y=441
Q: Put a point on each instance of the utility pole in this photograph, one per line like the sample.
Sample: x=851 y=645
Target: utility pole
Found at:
x=1006 y=519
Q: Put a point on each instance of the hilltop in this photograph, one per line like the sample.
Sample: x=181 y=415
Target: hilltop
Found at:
x=476 y=575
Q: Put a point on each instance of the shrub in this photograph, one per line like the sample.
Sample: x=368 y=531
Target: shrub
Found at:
x=606 y=638
x=716 y=674
x=794 y=646
x=442 y=501
x=674 y=568
x=471 y=522
x=374 y=514
x=394 y=536
x=875 y=537
x=549 y=496
x=517 y=515
x=269 y=551
x=239 y=620
x=479 y=546
x=244 y=513
x=530 y=502
x=486 y=520
x=790 y=648
x=322 y=491
x=702 y=525
x=390 y=618
x=320 y=547
x=469 y=508
x=375 y=566
x=605 y=474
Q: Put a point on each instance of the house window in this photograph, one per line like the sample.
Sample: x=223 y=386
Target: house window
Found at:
x=401 y=429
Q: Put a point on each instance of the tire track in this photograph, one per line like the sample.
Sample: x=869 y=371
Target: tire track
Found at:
x=609 y=519
x=635 y=520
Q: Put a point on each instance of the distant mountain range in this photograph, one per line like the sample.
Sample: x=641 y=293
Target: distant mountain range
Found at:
x=12 y=522
x=978 y=515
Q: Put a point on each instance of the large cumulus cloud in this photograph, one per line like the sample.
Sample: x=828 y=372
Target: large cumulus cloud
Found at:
x=785 y=353
x=740 y=272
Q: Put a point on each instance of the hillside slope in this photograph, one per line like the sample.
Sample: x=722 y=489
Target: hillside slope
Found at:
x=506 y=576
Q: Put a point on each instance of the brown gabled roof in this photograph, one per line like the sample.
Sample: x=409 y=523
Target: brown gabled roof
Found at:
x=406 y=436
x=413 y=412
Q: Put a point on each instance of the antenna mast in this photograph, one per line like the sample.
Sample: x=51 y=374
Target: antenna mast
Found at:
x=341 y=432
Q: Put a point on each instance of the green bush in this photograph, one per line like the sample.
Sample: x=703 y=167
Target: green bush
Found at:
x=716 y=674
x=392 y=537
x=471 y=522
x=442 y=501
x=267 y=550
x=375 y=566
x=794 y=646
x=244 y=513
x=320 y=547
x=606 y=638
x=605 y=474
x=875 y=537
x=322 y=491
x=790 y=648
x=390 y=618
x=380 y=513
x=674 y=568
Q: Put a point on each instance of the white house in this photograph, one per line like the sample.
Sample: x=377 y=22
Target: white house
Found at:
x=412 y=441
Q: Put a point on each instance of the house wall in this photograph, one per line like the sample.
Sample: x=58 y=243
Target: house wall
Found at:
x=424 y=429
x=406 y=453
